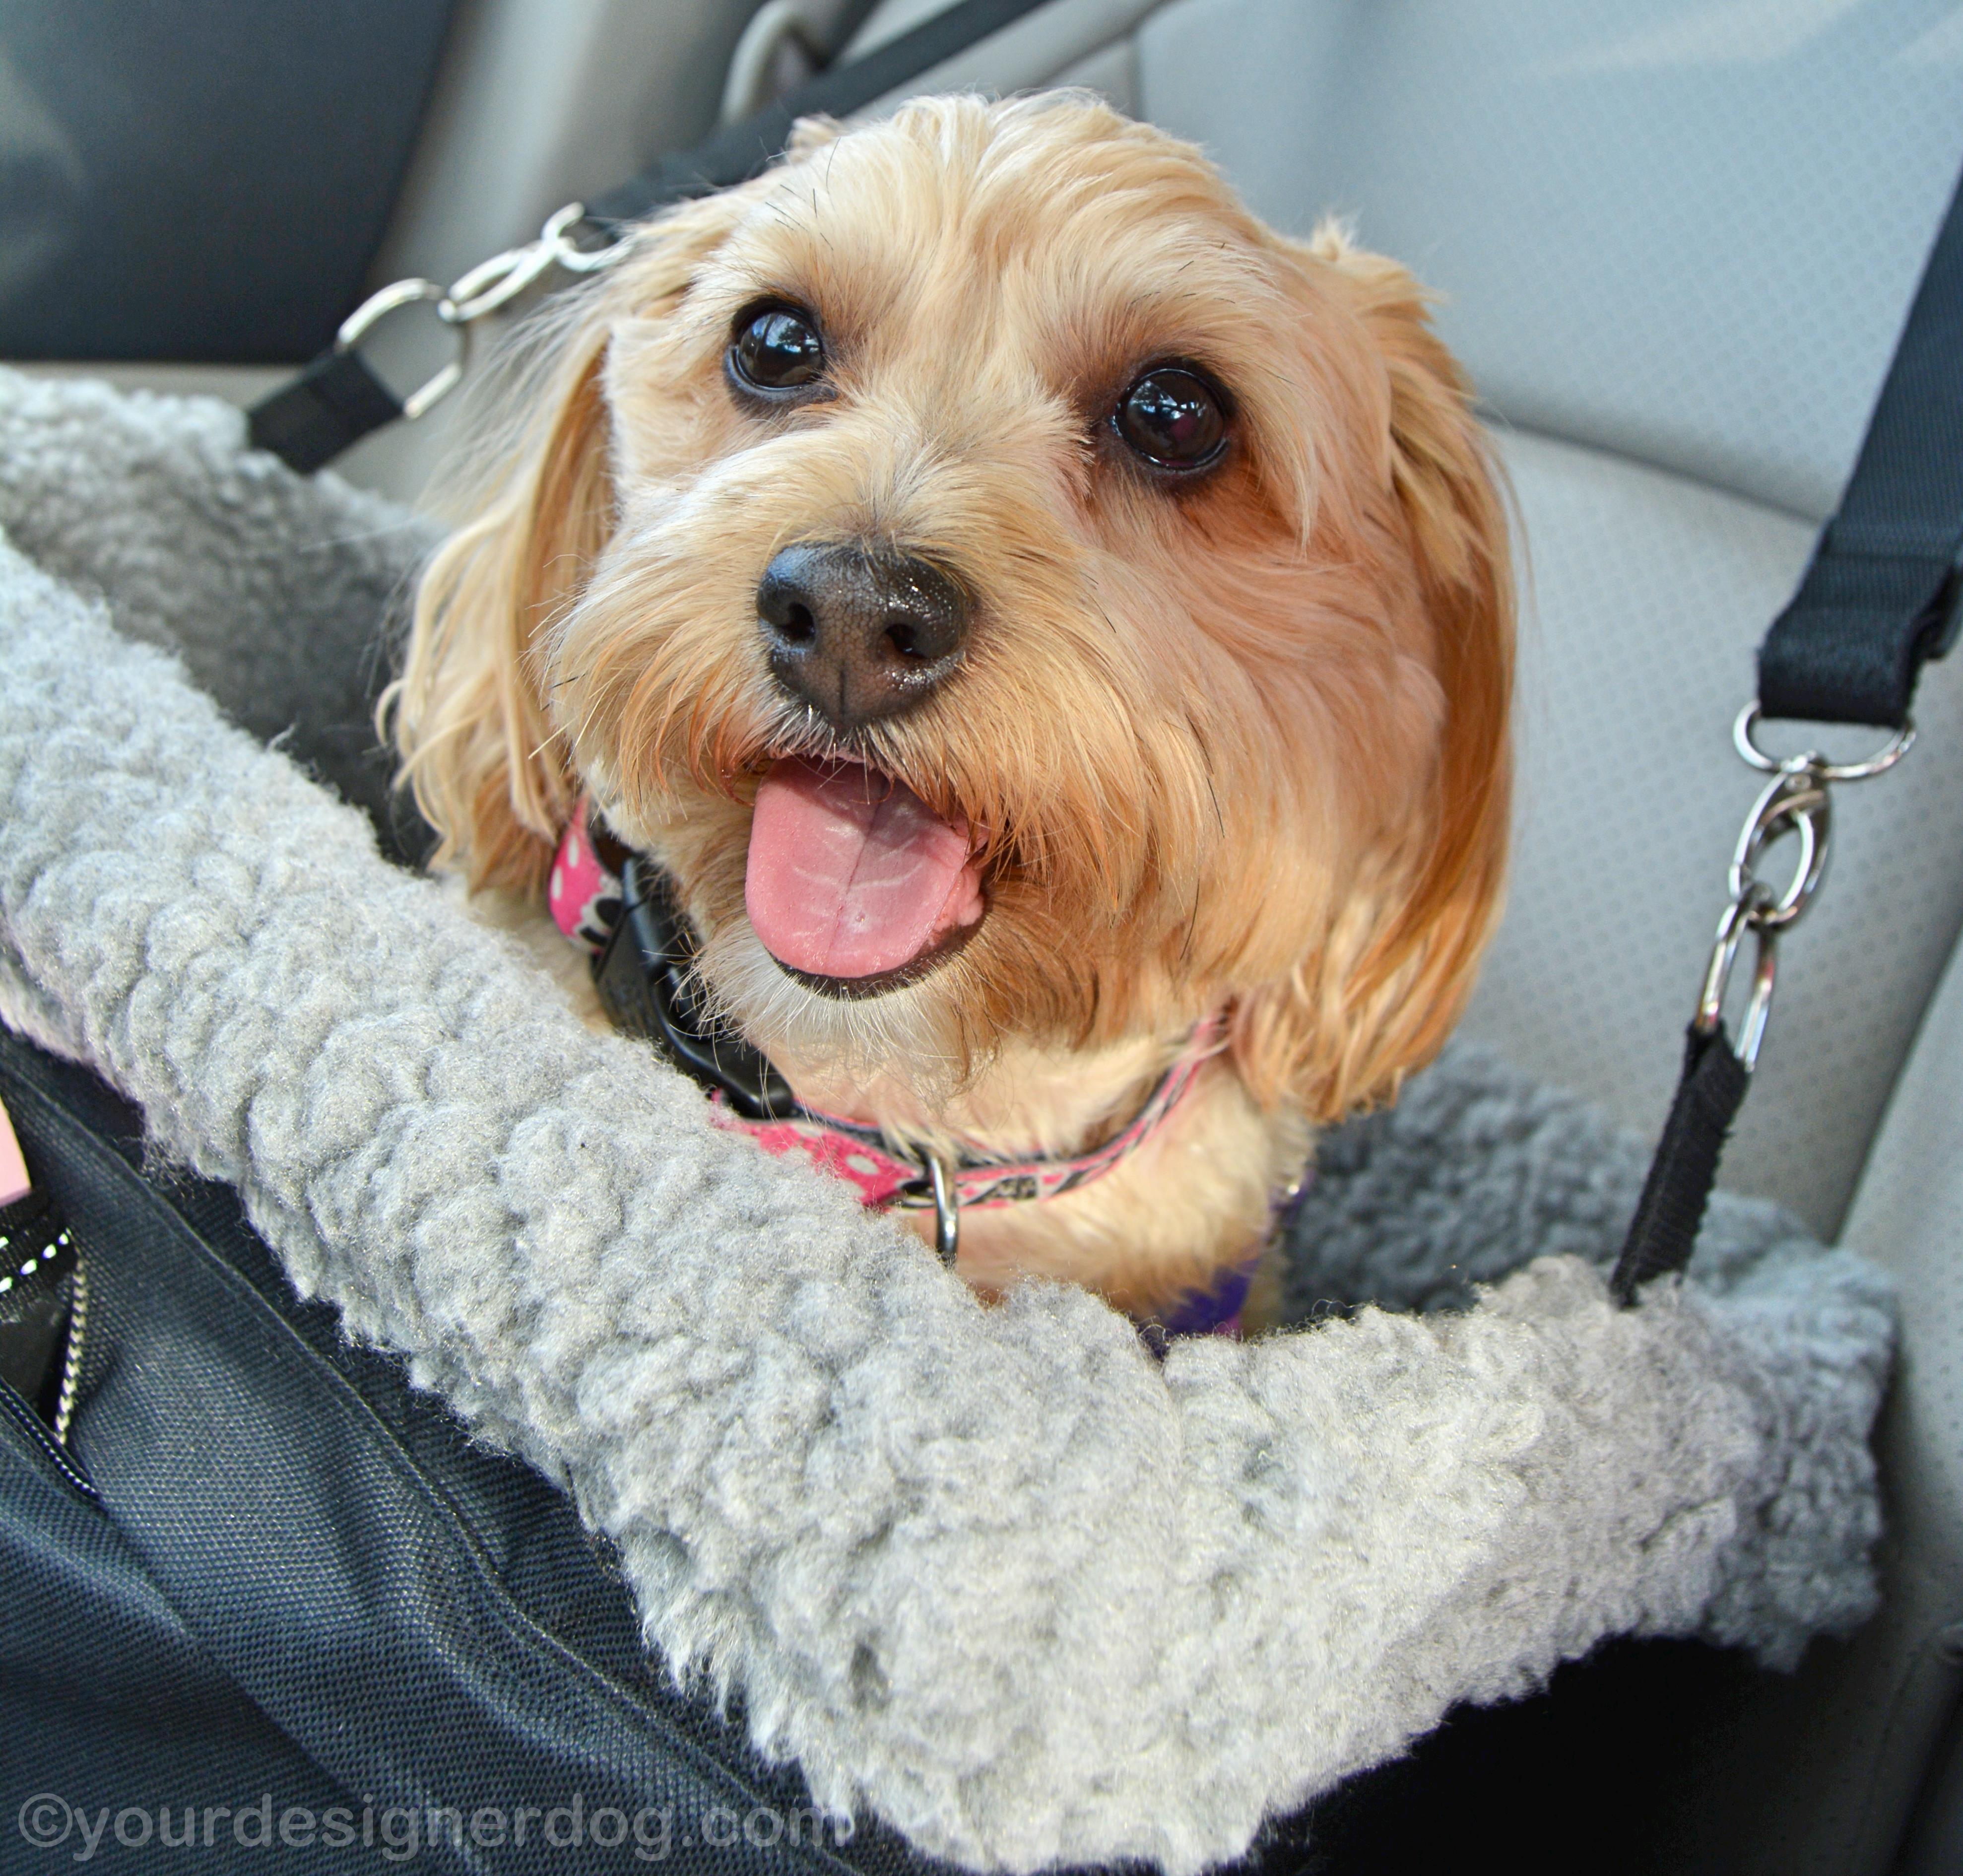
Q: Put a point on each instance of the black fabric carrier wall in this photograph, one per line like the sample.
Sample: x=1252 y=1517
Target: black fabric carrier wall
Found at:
x=423 y=1622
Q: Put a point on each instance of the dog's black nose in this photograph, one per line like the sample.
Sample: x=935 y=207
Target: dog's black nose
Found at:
x=858 y=636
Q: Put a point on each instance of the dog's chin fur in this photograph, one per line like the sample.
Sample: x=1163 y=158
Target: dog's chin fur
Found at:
x=1234 y=743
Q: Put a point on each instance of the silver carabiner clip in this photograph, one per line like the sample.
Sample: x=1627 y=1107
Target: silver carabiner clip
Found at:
x=487 y=286
x=494 y=283
x=1795 y=801
x=1740 y=915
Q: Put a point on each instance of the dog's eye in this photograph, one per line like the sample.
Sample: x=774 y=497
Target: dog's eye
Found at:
x=777 y=350
x=1172 y=418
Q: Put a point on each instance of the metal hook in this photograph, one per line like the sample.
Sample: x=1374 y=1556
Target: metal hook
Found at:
x=1740 y=915
x=391 y=298
x=946 y=1211
x=1795 y=801
x=487 y=286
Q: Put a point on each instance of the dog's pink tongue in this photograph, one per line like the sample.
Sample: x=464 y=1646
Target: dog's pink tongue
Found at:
x=851 y=873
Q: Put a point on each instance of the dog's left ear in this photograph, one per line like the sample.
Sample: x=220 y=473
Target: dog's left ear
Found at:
x=1391 y=975
x=467 y=716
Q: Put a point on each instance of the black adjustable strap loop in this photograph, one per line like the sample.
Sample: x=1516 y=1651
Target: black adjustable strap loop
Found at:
x=1880 y=597
x=1878 y=600
x=1685 y=1166
x=329 y=407
x=336 y=400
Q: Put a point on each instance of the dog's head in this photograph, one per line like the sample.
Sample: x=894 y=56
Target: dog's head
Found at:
x=1016 y=592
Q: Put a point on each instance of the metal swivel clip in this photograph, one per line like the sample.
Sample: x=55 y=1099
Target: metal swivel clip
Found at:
x=487 y=286
x=1796 y=801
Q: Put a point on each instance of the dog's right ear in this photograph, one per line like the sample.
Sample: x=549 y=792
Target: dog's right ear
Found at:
x=1389 y=978
x=468 y=715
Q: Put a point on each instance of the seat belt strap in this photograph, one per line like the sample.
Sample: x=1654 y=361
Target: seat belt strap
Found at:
x=745 y=149
x=1878 y=599
x=1880 y=595
x=336 y=400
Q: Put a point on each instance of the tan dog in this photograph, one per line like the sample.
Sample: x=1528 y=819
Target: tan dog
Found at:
x=1032 y=610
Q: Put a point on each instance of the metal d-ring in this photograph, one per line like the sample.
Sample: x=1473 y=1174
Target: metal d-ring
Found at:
x=378 y=306
x=1883 y=759
x=947 y=1210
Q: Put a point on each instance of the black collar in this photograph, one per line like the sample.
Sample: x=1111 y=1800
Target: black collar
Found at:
x=645 y=980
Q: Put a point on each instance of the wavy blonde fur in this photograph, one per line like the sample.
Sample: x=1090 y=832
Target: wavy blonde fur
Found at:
x=1240 y=743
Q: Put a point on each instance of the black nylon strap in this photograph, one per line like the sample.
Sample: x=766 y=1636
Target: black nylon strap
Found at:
x=646 y=981
x=1878 y=600
x=329 y=407
x=336 y=401
x=1879 y=596
x=1685 y=1166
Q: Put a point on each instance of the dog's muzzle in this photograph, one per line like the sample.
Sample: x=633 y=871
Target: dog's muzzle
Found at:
x=619 y=908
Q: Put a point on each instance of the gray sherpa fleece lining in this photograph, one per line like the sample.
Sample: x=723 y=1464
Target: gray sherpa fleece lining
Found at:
x=992 y=1572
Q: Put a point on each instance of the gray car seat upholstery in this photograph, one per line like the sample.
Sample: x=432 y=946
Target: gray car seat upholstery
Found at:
x=1675 y=242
